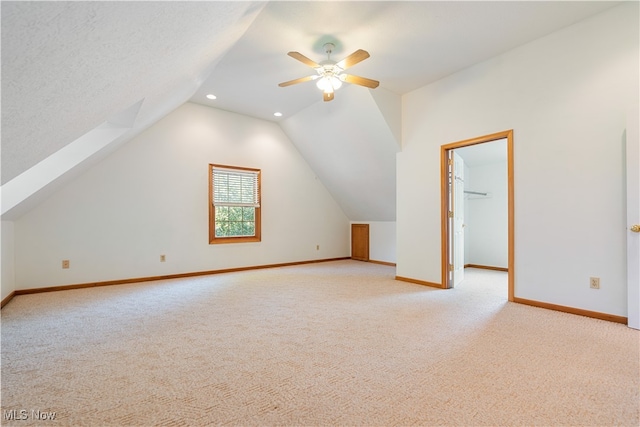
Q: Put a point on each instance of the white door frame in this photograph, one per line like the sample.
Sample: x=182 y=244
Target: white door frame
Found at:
x=633 y=218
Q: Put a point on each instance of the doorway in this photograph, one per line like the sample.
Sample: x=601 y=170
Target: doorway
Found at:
x=452 y=206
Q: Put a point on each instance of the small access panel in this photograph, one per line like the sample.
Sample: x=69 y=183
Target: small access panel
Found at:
x=360 y=242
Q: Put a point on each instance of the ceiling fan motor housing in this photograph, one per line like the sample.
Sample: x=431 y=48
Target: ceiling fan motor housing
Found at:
x=328 y=48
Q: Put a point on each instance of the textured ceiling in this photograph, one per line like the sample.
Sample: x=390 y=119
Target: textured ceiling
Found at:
x=69 y=67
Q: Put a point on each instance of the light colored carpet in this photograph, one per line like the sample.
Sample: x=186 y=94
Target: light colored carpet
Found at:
x=337 y=343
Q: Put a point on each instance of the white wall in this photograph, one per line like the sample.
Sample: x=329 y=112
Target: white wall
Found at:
x=150 y=197
x=565 y=96
x=382 y=240
x=7 y=275
x=351 y=146
x=486 y=219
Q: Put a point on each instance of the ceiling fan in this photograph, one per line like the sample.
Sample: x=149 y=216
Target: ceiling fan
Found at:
x=331 y=73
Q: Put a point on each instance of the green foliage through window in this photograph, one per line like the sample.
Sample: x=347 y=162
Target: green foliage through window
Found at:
x=233 y=221
x=234 y=214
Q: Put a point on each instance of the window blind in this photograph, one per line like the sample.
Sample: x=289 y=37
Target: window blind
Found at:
x=234 y=187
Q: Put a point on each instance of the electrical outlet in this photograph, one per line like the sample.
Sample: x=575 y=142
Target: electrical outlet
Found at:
x=594 y=283
x=65 y=263
x=163 y=258
x=317 y=247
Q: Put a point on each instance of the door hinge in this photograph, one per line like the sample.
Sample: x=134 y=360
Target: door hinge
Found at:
x=450 y=214
x=450 y=267
x=450 y=162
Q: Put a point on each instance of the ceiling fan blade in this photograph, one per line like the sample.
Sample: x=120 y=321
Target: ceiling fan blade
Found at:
x=353 y=59
x=328 y=96
x=300 y=57
x=362 y=81
x=300 y=80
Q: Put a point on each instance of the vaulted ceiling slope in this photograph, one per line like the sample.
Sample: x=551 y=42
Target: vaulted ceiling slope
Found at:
x=351 y=147
x=80 y=78
x=69 y=66
x=72 y=69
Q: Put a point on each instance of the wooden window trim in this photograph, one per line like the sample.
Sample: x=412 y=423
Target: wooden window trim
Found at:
x=258 y=211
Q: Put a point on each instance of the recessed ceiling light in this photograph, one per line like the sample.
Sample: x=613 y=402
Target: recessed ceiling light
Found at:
x=277 y=114
x=211 y=96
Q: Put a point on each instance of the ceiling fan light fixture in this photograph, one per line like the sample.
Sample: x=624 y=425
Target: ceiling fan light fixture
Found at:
x=329 y=84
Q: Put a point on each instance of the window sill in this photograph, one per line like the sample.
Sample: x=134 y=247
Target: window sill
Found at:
x=224 y=240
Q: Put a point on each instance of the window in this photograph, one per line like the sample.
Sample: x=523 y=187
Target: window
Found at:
x=234 y=204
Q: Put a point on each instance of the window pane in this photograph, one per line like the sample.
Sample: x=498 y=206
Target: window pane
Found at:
x=222 y=213
x=235 y=213
x=248 y=214
x=235 y=221
x=249 y=228
x=222 y=229
x=235 y=229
